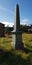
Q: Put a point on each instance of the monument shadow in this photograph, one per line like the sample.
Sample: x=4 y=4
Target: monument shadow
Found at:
x=10 y=58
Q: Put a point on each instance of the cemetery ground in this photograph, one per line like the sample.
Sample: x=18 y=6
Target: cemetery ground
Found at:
x=9 y=56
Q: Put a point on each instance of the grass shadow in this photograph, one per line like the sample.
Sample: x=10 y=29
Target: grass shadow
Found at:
x=21 y=47
x=9 y=58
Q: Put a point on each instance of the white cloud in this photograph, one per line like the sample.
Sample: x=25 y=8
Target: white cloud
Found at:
x=7 y=23
x=24 y=21
x=9 y=11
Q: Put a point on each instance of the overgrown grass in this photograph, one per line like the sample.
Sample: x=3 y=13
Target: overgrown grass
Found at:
x=8 y=56
x=5 y=42
x=27 y=40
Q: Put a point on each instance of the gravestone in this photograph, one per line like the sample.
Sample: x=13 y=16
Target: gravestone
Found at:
x=17 y=33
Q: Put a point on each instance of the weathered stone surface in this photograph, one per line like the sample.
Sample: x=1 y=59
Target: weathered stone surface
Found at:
x=17 y=19
x=17 y=33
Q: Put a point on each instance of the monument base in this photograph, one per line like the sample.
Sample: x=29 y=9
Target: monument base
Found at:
x=17 y=40
x=19 y=46
x=16 y=43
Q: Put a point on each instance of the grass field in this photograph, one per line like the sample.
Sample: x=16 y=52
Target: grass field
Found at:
x=9 y=56
x=27 y=40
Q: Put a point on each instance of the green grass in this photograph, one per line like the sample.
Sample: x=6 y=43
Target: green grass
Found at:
x=5 y=42
x=8 y=56
x=27 y=40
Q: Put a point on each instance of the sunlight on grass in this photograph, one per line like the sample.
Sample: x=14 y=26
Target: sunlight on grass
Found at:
x=15 y=56
x=27 y=40
x=5 y=42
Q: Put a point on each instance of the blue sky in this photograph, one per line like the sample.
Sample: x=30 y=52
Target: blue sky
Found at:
x=7 y=11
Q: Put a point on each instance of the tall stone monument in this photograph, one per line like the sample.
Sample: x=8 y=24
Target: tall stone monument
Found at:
x=17 y=33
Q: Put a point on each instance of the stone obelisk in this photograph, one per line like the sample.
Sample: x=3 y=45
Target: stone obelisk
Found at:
x=16 y=33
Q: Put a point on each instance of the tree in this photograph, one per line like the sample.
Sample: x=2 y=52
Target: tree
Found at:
x=7 y=31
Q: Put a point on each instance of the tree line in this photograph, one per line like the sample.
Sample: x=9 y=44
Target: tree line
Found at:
x=24 y=28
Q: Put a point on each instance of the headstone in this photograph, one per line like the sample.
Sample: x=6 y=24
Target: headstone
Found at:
x=17 y=33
